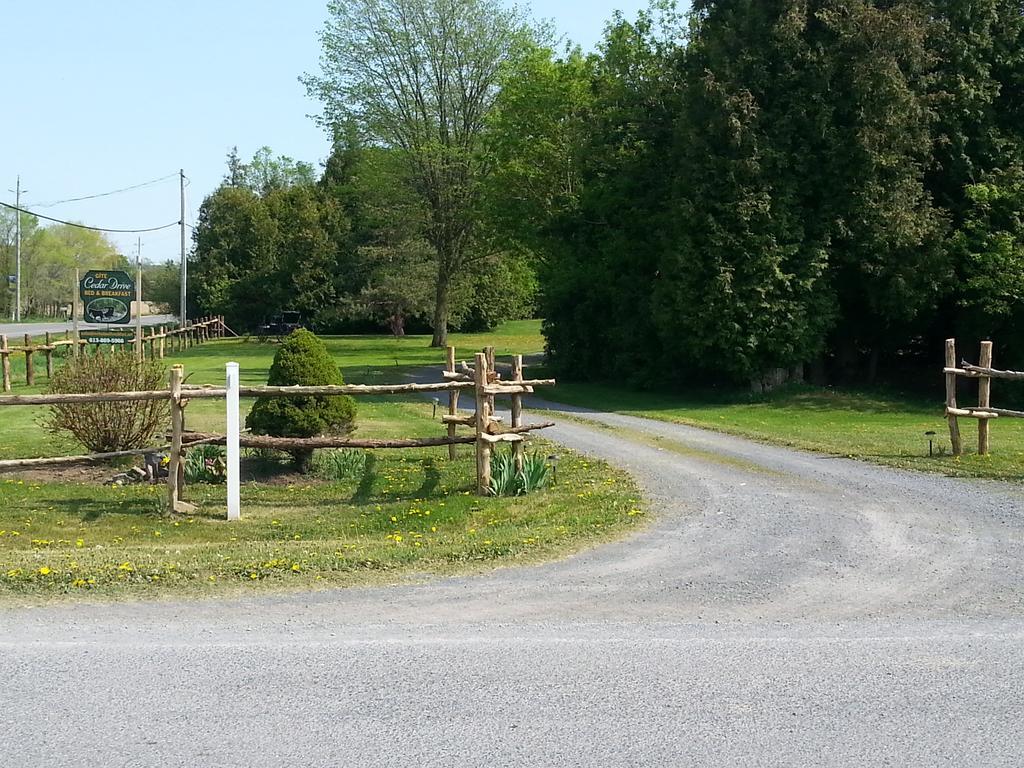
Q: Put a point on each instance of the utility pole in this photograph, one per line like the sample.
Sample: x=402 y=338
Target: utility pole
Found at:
x=17 y=250
x=182 y=315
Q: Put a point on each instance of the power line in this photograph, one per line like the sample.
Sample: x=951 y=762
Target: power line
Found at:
x=85 y=226
x=106 y=194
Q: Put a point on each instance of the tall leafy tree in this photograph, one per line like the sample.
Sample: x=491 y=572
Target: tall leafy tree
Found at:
x=742 y=288
x=49 y=261
x=978 y=149
x=420 y=77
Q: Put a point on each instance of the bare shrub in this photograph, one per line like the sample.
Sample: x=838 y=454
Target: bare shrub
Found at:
x=106 y=427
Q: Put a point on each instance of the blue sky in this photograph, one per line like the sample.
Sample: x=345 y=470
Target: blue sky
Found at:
x=104 y=94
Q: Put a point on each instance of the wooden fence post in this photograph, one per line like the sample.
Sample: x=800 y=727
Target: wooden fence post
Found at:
x=30 y=367
x=453 y=400
x=161 y=349
x=49 y=355
x=491 y=377
x=984 y=397
x=5 y=361
x=518 y=448
x=483 y=448
x=954 y=425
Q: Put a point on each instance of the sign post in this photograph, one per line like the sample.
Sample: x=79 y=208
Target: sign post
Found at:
x=74 y=311
x=234 y=452
x=138 y=314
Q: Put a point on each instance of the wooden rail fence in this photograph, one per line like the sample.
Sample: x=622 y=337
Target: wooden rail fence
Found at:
x=481 y=378
x=984 y=412
x=153 y=343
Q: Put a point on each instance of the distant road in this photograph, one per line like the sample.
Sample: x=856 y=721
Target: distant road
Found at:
x=18 y=329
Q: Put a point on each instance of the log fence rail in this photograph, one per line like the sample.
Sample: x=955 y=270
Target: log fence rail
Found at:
x=483 y=381
x=154 y=343
x=983 y=412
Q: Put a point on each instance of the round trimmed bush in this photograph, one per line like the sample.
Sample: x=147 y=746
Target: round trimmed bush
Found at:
x=303 y=360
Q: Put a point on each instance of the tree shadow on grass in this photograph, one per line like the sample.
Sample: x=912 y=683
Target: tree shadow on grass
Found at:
x=364 y=491
x=431 y=479
x=90 y=509
x=428 y=488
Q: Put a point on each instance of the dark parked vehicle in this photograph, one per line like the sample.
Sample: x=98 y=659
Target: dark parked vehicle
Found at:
x=280 y=326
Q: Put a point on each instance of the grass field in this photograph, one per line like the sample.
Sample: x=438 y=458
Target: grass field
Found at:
x=882 y=427
x=63 y=538
x=403 y=515
x=400 y=515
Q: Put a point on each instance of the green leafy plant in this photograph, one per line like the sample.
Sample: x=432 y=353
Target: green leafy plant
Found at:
x=343 y=464
x=303 y=360
x=106 y=427
x=506 y=481
x=205 y=464
x=536 y=472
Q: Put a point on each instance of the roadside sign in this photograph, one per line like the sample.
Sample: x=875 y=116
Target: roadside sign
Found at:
x=113 y=338
x=107 y=296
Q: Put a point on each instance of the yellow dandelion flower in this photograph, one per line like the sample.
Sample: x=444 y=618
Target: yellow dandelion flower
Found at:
x=45 y=570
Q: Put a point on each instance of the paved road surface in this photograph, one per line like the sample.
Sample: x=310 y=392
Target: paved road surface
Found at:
x=783 y=609
x=16 y=330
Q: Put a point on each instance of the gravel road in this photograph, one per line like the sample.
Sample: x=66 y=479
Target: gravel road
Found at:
x=782 y=609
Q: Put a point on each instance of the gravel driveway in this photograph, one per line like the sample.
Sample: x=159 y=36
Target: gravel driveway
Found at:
x=783 y=608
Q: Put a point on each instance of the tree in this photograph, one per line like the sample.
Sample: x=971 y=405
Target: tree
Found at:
x=268 y=241
x=584 y=145
x=303 y=360
x=49 y=256
x=990 y=246
x=266 y=172
x=420 y=77
x=161 y=283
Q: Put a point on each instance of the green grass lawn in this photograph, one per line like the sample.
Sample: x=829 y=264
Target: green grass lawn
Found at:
x=362 y=359
x=885 y=428
x=402 y=514
x=405 y=513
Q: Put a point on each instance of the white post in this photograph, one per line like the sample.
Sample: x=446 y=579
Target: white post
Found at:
x=234 y=494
